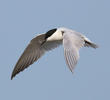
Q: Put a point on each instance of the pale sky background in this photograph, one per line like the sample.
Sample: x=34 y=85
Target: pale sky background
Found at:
x=49 y=78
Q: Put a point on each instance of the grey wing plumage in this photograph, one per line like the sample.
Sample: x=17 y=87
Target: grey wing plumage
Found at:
x=71 y=57
x=36 y=48
x=32 y=53
x=51 y=45
x=72 y=43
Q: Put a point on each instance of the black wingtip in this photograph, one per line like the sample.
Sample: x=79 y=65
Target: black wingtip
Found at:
x=12 y=76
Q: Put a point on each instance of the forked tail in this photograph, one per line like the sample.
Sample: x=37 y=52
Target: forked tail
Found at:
x=88 y=43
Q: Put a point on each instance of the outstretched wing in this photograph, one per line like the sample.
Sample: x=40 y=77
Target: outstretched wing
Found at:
x=72 y=43
x=33 y=52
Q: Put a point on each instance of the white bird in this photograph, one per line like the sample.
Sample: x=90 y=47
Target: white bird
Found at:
x=72 y=41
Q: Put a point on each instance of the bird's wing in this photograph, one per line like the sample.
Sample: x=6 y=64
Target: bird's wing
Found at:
x=72 y=43
x=49 y=45
x=32 y=53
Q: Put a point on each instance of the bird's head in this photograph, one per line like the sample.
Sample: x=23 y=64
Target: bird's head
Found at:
x=54 y=34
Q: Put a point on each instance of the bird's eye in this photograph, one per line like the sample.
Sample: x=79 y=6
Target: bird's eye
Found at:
x=62 y=32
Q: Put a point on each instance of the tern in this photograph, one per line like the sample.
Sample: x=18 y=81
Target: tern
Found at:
x=72 y=41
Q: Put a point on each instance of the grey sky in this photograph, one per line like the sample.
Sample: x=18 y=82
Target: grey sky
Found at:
x=49 y=78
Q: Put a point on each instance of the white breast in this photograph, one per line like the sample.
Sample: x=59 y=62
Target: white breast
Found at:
x=56 y=36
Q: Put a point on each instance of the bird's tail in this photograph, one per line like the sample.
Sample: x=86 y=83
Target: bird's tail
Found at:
x=88 y=43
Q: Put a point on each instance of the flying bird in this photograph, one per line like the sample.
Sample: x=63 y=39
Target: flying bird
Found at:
x=72 y=41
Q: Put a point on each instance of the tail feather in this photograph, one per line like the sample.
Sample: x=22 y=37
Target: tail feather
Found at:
x=90 y=44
